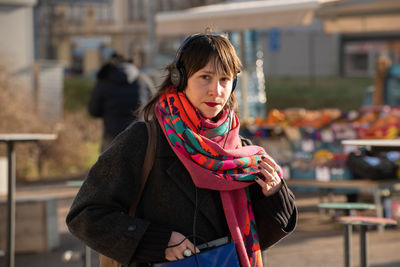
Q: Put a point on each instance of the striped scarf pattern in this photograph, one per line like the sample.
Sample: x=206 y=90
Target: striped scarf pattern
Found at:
x=213 y=155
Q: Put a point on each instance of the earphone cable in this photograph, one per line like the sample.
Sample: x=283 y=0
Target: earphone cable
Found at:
x=194 y=226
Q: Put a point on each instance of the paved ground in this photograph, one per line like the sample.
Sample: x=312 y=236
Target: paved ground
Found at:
x=317 y=241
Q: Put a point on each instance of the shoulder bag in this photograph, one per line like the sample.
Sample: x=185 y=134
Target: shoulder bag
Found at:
x=147 y=165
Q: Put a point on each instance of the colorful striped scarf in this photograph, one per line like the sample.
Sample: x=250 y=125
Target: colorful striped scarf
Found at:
x=213 y=155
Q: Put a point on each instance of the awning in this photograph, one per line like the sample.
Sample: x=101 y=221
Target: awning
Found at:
x=237 y=16
x=360 y=16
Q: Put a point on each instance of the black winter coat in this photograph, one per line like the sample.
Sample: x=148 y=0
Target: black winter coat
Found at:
x=99 y=218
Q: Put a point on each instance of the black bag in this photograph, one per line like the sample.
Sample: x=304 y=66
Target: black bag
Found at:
x=149 y=158
x=221 y=256
x=366 y=165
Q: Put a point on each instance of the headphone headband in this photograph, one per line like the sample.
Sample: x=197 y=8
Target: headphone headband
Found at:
x=178 y=72
x=183 y=45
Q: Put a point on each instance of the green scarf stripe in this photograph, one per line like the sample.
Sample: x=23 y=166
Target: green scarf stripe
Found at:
x=243 y=177
x=189 y=149
x=179 y=126
x=211 y=133
x=247 y=193
x=195 y=143
x=192 y=144
x=172 y=136
x=217 y=165
x=246 y=161
x=247 y=178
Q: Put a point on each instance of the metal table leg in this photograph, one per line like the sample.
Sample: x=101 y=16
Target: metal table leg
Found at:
x=363 y=246
x=10 y=252
x=379 y=207
x=347 y=245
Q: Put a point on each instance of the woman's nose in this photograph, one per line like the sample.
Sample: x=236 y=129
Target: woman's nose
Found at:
x=215 y=89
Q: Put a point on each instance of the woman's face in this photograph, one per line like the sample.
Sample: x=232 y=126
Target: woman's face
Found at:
x=209 y=89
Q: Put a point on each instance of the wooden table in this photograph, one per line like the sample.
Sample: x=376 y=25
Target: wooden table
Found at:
x=350 y=207
x=374 y=144
x=363 y=222
x=11 y=140
x=373 y=187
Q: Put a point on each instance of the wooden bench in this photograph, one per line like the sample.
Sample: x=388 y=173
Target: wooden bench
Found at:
x=363 y=223
x=36 y=224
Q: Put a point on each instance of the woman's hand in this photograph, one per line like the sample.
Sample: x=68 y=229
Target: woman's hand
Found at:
x=175 y=251
x=270 y=181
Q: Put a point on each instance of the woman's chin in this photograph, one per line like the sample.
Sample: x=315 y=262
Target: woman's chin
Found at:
x=209 y=115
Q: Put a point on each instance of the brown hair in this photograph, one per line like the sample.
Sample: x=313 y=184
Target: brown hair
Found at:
x=195 y=55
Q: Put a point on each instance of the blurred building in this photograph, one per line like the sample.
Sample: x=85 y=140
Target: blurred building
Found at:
x=346 y=38
x=367 y=30
x=40 y=82
x=301 y=51
x=304 y=37
x=16 y=51
x=82 y=34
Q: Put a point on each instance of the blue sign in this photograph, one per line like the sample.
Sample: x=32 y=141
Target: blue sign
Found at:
x=274 y=37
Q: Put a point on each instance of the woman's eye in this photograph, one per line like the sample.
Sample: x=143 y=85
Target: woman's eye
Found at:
x=205 y=77
x=225 y=79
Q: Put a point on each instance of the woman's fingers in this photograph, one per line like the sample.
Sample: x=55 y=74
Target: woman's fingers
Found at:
x=269 y=169
x=270 y=161
x=261 y=182
x=177 y=246
x=179 y=254
x=189 y=245
x=174 y=253
x=267 y=175
x=269 y=188
x=270 y=181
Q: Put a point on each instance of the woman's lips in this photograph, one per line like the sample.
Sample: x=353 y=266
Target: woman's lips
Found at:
x=211 y=104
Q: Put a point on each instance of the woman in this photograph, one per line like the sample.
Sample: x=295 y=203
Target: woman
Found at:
x=206 y=182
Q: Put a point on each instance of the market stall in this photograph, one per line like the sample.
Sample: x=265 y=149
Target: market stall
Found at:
x=308 y=142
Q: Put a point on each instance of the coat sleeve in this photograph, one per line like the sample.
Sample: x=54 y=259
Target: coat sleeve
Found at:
x=276 y=215
x=99 y=212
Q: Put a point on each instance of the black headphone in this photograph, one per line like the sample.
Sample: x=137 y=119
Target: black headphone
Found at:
x=178 y=72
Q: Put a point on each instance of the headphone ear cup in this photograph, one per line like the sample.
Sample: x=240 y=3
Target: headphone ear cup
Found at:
x=176 y=77
x=234 y=83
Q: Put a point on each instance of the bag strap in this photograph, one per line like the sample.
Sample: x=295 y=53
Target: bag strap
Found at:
x=152 y=131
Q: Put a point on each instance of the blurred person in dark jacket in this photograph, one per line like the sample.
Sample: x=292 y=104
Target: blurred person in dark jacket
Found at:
x=119 y=91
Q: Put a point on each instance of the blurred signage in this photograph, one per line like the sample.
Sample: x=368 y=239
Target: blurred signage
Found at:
x=375 y=46
x=79 y=1
x=274 y=37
